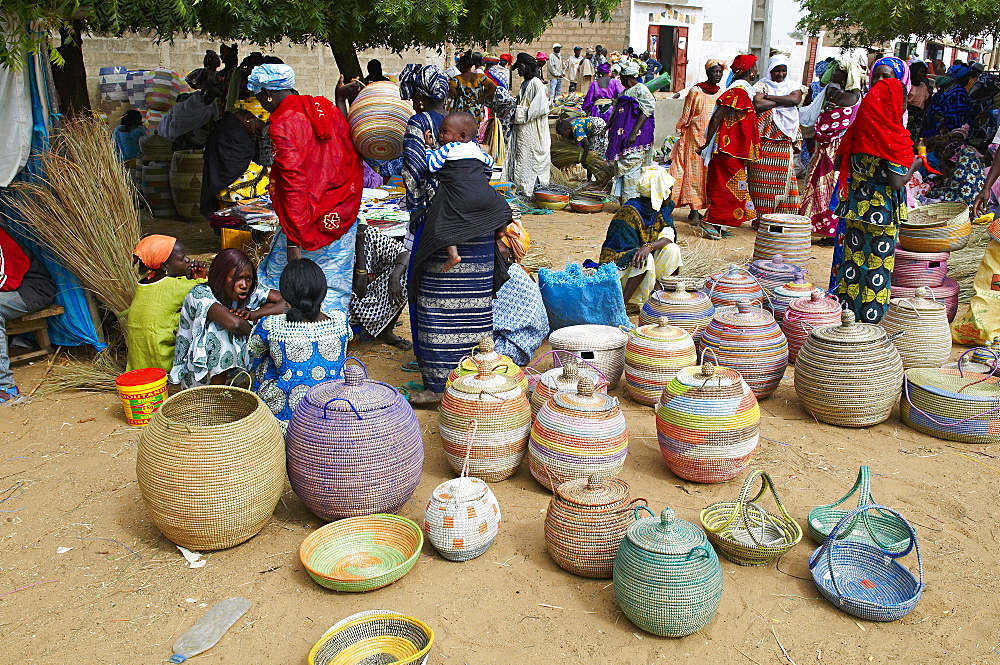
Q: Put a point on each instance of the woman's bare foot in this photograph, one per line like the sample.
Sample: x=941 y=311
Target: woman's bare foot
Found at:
x=387 y=337
x=425 y=397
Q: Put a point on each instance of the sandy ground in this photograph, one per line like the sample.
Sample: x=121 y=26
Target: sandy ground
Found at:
x=122 y=593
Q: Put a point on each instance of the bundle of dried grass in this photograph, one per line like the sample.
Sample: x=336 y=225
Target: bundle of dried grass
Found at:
x=702 y=258
x=963 y=264
x=97 y=375
x=565 y=154
x=85 y=212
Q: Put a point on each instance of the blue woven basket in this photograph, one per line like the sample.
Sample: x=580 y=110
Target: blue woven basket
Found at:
x=867 y=581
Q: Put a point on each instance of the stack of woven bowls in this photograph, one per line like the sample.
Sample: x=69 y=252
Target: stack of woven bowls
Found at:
x=804 y=314
x=749 y=341
x=773 y=272
x=354 y=448
x=585 y=522
x=561 y=378
x=499 y=363
x=783 y=295
x=849 y=374
x=915 y=269
x=378 y=118
x=652 y=357
x=689 y=310
x=725 y=288
x=497 y=409
x=939 y=227
x=788 y=235
x=601 y=346
x=919 y=330
x=707 y=424
x=577 y=435
x=551 y=200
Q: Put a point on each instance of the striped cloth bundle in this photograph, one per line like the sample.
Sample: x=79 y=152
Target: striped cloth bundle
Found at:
x=689 y=310
x=653 y=355
x=113 y=82
x=749 y=341
x=725 y=288
x=378 y=118
x=788 y=235
x=804 y=314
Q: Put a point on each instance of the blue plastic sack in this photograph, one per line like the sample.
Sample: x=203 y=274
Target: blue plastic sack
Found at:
x=573 y=297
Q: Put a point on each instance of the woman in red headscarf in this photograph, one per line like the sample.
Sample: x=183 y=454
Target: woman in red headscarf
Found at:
x=732 y=141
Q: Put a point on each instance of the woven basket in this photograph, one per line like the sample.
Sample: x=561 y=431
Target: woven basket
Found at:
x=989 y=356
x=586 y=522
x=485 y=352
x=577 y=435
x=745 y=533
x=602 y=346
x=162 y=87
x=880 y=530
x=561 y=378
x=773 y=272
x=804 y=314
x=156 y=190
x=689 y=310
x=782 y=297
x=653 y=355
x=378 y=118
x=707 y=424
x=937 y=215
x=749 y=341
x=865 y=581
x=354 y=448
x=691 y=283
x=733 y=285
x=848 y=375
x=788 y=235
x=499 y=406
x=211 y=467
x=667 y=577
x=362 y=553
x=915 y=269
x=374 y=636
x=919 y=330
x=939 y=227
x=135 y=88
x=186 y=170
x=951 y=404
x=947 y=293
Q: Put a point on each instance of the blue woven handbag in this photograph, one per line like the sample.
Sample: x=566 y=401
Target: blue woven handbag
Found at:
x=864 y=580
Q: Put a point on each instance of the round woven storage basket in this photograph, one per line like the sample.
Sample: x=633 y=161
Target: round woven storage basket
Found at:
x=947 y=294
x=915 y=269
x=462 y=518
x=499 y=363
x=952 y=405
x=939 y=227
x=162 y=87
x=749 y=341
x=726 y=288
x=691 y=283
x=879 y=529
x=773 y=272
x=156 y=190
x=211 y=467
x=848 y=375
x=919 y=330
x=561 y=378
x=354 y=448
x=156 y=148
x=690 y=310
x=707 y=424
x=602 y=346
x=576 y=435
x=788 y=235
x=378 y=118
x=804 y=314
x=186 y=169
x=586 y=522
x=374 y=636
x=782 y=296
x=653 y=355
x=500 y=407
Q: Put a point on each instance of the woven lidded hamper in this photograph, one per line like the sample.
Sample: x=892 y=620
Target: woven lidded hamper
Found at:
x=211 y=467
x=462 y=518
x=773 y=272
x=602 y=346
x=783 y=295
x=952 y=404
x=732 y=285
x=804 y=314
x=919 y=330
x=486 y=352
x=561 y=378
x=946 y=293
x=788 y=235
x=915 y=269
x=750 y=341
x=653 y=355
x=690 y=310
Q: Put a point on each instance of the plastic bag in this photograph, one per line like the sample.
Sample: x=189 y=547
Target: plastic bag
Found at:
x=573 y=297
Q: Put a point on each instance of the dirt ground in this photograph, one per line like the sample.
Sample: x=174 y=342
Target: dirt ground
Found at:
x=122 y=593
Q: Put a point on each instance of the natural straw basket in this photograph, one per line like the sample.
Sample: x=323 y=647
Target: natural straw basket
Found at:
x=689 y=310
x=374 y=636
x=733 y=285
x=925 y=336
x=804 y=314
x=561 y=378
x=881 y=530
x=788 y=235
x=947 y=293
x=653 y=355
x=362 y=553
x=952 y=404
x=750 y=341
x=586 y=522
x=211 y=467
x=745 y=533
x=603 y=346
x=499 y=363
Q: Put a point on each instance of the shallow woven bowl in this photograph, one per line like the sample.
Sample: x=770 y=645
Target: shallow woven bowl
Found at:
x=552 y=205
x=577 y=205
x=375 y=636
x=551 y=197
x=362 y=553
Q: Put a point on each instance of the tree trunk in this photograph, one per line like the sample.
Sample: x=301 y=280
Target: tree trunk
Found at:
x=70 y=80
x=347 y=62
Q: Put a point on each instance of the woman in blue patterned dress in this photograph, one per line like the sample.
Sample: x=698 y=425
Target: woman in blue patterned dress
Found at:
x=589 y=133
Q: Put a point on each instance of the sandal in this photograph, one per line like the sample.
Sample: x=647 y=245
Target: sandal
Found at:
x=412 y=366
x=708 y=231
x=12 y=394
x=724 y=233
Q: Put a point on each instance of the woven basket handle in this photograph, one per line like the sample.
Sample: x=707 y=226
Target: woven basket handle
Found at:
x=556 y=352
x=698 y=548
x=635 y=512
x=232 y=379
x=473 y=426
x=765 y=517
x=341 y=399
x=996 y=363
x=358 y=361
x=906 y=394
x=863 y=488
x=740 y=510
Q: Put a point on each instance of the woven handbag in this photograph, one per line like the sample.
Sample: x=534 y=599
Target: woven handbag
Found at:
x=867 y=581
x=745 y=533
x=884 y=531
x=952 y=404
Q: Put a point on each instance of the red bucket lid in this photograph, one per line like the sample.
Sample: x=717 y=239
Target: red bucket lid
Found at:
x=139 y=377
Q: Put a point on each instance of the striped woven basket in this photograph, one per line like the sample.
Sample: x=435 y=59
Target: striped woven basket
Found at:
x=561 y=378
x=952 y=404
x=788 y=235
x=773 y=272
x=919 y=330
x=486 y=352
x=577 y=435
x=707 y=424
x=653 y=355
x=211 y=467
x=378 y=118
x=783 y=295
x=749 y=341
x=733 y=285
x=745 y=533
x=878 y=529
x=915 y=269
x=500 y=407
x=601 y=346
x=939 y=227
x=374 y=636
x=354 y=448
x=947 y=293
x=804 y=314
x=689 y=310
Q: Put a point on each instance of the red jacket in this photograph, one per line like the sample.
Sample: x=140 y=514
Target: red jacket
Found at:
x=14 y=263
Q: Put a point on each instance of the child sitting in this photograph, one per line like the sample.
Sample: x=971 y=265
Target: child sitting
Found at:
x=156 y=305
x=126 y=135
x=216 y=319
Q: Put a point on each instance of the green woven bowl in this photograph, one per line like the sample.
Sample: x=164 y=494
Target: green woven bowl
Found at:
x=362 y=553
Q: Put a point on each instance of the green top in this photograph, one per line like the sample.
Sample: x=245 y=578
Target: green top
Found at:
x=152 y=321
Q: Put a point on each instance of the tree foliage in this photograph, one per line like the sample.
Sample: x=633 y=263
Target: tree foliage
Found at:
x=860 y=23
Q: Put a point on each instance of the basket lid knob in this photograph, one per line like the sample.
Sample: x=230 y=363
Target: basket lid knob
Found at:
x=996 y=341
x=681 y=287
x=800 y=277
x=707 y=369
x=847 y=318
x=733 y=270
x=667 y=519
x=815 y=295
x=594 y=482
x=663 y=322
x=485 y=369
x=743 y=306
x=486 y=345
x=353 y=374
x=585 y=386
x=922 y=292
x=570 y=370
x=778 y=259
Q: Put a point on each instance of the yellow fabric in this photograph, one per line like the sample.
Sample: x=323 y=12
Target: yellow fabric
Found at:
x=235 y=239
x=152 y=322
x=250 y=185
x=661 y=263
x=251 y=104
x=655 y=184
x=981 y=323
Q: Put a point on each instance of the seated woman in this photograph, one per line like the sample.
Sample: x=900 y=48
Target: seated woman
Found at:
x=127 y=134
x=590 y=133
x=379 y=285
x=641 y=237
x=289 y=353
x=962 y=174
x=216 y=319
x=156 y=305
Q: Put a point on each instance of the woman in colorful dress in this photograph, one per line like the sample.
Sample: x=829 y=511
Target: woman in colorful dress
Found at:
x=876 y=161
x=951 y=107
x=773 y=185
x=839 y=101
x=962 y=172
x=732 y=142
x=686 y=165
x=470 y=90
x=603 y=92
x=630 y=132
x=379 y=285
x=589 y=133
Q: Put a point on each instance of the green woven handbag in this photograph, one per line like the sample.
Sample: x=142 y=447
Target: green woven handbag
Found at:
x=875 y=528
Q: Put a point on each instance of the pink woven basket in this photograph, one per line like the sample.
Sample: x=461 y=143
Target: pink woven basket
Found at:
x=916 y=269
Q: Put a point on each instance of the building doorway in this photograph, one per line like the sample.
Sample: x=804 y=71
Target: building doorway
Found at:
x=668 y=44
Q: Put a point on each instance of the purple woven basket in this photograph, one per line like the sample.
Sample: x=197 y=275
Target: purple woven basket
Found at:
x=353 y=448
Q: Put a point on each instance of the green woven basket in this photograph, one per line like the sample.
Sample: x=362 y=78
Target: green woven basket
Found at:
x=745 y=533
x=879 y=529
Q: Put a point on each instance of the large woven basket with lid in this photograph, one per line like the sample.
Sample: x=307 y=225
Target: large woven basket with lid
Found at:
x=561 y=378
x=788 y=235
x=952 y=404
x=653 y=355
x=919 y=330
x=462 y=518
x=804 y=314
x=849 y=374
x=686 y=309
x=354 y=447
x=602 y=346
x=946 y=293
x=749 y=341
x=499 y=363
x=782 y=296
x=732 y=285
x=915 y=269
x=773 y=272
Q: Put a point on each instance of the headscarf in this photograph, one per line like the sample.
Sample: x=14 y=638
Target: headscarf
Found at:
x=428 y=80
x=506 y=57
x=942 y=81
x=785 y=117
x=743 y=63
x=629 y=67
x=958 y=71
x=852 y=71
x=541 y=56
x=271 y=77
x=878 y=128
x=898 y=66
x=821 y=68
x=715 y=62
x=603 y=69
x=154 y=250
x=655 y=184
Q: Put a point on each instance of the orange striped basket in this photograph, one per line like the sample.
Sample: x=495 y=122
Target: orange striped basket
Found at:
x=653 y=355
